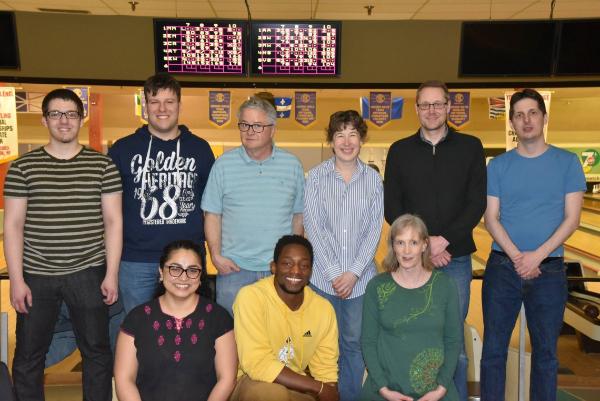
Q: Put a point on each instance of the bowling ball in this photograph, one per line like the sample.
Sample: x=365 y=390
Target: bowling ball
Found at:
x=591 y=311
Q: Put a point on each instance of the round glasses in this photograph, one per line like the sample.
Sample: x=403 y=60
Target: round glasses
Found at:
x=191 y=272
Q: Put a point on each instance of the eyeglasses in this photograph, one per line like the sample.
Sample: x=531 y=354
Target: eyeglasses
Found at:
x=191 y=272
x=427 y=106
x=258 y=128
x=57 y=115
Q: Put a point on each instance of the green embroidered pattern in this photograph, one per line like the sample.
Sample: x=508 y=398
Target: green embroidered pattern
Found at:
x=384 y=291
x=427 y=291
x=424 y=369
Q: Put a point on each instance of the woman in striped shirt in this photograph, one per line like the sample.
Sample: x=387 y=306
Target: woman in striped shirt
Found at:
x=343 y=215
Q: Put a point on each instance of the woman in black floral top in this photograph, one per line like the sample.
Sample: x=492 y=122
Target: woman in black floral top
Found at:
x=179 y=346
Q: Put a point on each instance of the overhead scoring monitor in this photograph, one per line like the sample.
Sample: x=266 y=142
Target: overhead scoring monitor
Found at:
x=199 y=46
x=296 y=48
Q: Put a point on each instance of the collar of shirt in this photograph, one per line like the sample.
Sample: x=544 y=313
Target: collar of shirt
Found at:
x=244 y=155
x=360 y=168
x=422 y=136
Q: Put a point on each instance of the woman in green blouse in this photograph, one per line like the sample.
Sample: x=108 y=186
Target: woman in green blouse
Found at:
x=411 y=329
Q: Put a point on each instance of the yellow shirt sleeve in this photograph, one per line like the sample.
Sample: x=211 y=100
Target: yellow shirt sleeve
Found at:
x=255 y=353
x=324 y=362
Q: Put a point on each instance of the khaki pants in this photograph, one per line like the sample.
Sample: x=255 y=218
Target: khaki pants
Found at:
x=251 y=390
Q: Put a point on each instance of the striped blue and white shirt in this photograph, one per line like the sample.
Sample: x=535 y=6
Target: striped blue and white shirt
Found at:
x=343 y=222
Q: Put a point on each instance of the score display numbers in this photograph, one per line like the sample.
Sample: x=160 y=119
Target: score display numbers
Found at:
x=293 y=48
x=199 y=47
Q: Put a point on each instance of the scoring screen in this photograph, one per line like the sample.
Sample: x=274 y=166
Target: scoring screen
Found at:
x=199 y=46
x=293 y=48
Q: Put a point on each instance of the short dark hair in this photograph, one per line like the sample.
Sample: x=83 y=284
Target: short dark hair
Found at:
x=341 y=119
x=293 y=239
x=433 y=84
x=161 y=81
x=64 y=94
x=204 y=288
x=526 y=94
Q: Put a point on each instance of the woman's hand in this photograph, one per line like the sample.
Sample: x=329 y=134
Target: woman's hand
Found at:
x=391 y=395
x=434 y=395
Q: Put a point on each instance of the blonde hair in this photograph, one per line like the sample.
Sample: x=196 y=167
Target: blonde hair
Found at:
x=402 y=223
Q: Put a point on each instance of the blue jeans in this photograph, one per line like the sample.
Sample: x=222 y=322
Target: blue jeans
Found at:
x=81 y=292
x=461 y=270
x=228 y=285
x=351 y=364
x=138 y=282
x=544 y=298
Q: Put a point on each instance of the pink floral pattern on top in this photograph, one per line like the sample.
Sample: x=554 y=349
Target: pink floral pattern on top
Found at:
x=194 y=339
x=178 y=324
x=177 y=356
x=169 y=324
x=201 y=324
x=161 y=340
x=209 y=308
x=156 y=325
x=147 y=309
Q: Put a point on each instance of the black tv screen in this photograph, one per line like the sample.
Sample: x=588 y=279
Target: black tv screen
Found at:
x=579 y=48
x=9 y=51
x=300 y=48
x=192 y=46
x=507 y=48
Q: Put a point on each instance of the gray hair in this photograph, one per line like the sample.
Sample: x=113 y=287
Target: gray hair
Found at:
x=255 y=102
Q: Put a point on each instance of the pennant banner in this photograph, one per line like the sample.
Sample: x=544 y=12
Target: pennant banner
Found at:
x=283 y=105
x=511 y=136
x=9 y=142
x=219 y=107
x=397 y=107
x=305 y=104
x=29 y=102
x=141 y=109
x=380 y=107
x=496 y=108
x=460 y=107
x=83 y=92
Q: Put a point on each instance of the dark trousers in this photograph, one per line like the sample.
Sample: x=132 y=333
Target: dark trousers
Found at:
x=81 y=293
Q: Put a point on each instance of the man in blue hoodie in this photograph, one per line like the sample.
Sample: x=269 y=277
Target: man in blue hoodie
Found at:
x=164 y=169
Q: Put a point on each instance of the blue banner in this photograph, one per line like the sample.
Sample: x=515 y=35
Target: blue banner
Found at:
x=219 y=107
x=397 y=107
x=305 y=107
x=83 y=92
x=460 y=109
x=283 y=105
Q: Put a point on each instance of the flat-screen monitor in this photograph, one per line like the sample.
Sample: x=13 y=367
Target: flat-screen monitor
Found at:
x=507 y=48
x=579 y=47
x=192 y=46
x=9 y=51
x=299 y=48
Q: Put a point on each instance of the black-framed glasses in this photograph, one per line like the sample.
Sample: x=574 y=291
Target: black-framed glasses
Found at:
x=427 y=106
x=258 y=128
x=57 y=115
x=191 y=272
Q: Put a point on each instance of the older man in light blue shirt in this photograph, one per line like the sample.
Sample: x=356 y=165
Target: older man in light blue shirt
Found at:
x=254 y=195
